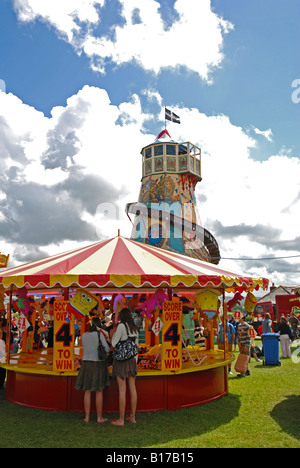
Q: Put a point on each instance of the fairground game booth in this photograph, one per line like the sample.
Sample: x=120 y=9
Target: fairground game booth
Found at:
x=161 y=288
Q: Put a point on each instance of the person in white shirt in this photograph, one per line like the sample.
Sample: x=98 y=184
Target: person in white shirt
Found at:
x=93 y=373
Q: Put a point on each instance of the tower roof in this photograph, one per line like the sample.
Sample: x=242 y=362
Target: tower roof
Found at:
x=164 y=137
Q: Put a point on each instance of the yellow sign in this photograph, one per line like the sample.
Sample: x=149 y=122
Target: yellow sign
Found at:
x=64 y=330
x=171 y=336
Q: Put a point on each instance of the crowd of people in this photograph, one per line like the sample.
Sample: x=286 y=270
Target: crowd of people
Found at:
x=241 y=334
x=42 y=334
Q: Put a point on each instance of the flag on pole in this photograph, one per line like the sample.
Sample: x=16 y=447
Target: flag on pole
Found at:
x=171 y=116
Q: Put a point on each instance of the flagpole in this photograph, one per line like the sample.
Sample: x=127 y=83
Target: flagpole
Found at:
x=165 y=120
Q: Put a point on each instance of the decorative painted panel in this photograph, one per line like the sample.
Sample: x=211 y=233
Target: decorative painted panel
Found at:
x=182 y=163
x=158 y=164
x=171 y=164
x=148 y=166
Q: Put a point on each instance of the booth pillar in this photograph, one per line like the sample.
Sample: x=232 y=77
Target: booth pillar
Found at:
x=8 y=333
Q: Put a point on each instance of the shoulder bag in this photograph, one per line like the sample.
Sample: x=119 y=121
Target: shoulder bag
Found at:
x=126 y=349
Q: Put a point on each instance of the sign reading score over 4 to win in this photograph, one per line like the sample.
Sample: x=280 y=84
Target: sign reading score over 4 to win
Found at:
x=63 y=356
x=172 y=336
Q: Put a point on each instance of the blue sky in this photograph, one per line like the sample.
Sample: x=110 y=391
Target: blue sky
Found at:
x=252 y=87
x=232 y=62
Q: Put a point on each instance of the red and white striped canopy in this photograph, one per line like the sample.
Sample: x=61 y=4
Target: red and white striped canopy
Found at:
x=123 y=263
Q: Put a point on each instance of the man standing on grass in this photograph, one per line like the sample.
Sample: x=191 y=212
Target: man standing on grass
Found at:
x=244 y=341
x=230 y=331
x=294 y=322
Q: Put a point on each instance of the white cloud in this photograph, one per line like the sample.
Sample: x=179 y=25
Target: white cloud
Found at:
x=194 y=40
x=56 y=171
x=2 y=86
x=268 y=134
x=64 y=15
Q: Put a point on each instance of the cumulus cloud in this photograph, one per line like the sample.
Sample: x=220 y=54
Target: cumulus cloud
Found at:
x=55 y=174
x=62 y=140
x=10 y=143
x=188 y=35
x=38 y=215
x=67 y=16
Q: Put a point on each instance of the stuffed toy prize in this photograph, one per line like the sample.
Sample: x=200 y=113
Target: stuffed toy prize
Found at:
x=155 y=301
x=82 y=303
x=24 y=303
x=119 y=304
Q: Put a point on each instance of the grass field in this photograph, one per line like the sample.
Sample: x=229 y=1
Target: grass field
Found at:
x=262 y=410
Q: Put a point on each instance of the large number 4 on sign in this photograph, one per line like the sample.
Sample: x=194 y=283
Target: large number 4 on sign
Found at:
x=172 y=334
x=64 y=335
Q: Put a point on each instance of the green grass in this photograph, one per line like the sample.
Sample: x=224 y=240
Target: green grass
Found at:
x=261 y=410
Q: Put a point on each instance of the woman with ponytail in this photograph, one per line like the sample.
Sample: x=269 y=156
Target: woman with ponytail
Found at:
x=125 y=370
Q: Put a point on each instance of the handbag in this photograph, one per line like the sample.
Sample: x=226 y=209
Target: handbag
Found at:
x=101 y=350
x=126 y=349
x=241 y=364
x=110 y=358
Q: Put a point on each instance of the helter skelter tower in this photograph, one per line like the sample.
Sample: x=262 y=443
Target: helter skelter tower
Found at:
x=166 y=213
